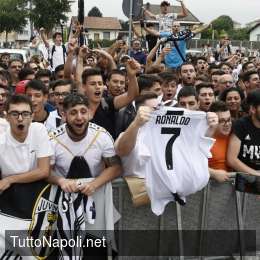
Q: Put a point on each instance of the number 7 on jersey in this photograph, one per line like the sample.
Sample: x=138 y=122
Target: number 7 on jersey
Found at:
x=175 y=132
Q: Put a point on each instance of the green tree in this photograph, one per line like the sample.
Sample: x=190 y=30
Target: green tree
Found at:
x=49 y=13
x=223 y=22
x=240 y=34
x=12 y=16
x=95 y=12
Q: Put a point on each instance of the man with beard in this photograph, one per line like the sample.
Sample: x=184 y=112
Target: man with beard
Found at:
x=61 y=89
x=24 y=147
x=243 y=149
x=38 y=94
x=84 y=164
x=187 y=76
x=80 y=139
x=205 y=96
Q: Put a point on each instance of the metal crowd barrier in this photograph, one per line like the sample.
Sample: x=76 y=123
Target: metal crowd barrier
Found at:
x=217 y=208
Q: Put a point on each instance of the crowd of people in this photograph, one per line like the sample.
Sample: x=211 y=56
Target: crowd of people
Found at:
x=85 y=99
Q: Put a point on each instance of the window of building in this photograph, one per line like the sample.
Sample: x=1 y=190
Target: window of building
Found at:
x=96 y=36
x=106 y=35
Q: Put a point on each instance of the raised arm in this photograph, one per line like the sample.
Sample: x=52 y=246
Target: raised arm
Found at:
x=133 y=67
x=151 y=55
x=68 y=66
x=148 y=13
x=125 y=143
x=44 y=38
x=184 y=11
x=111 y=64
x=200 y=28
x=152 y=31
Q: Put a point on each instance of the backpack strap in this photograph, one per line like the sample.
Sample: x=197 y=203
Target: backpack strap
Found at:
x=66 y=148
x=51 y=57
x=64 y=53
x=52 y=52
x=178 y=50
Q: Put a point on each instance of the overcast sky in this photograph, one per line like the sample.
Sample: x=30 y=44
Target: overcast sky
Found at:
x=242 y=11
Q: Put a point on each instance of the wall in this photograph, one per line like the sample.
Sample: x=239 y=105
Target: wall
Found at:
x=254 y=33
x=113 y=34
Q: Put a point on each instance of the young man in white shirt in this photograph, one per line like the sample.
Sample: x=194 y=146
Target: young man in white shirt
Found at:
x=79 y=139
x=166 y=18
x=24 y=147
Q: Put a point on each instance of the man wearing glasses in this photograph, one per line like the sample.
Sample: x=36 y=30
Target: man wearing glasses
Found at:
x=218 y=167
x=61 y=89
x=24 y=147
x=224 y=81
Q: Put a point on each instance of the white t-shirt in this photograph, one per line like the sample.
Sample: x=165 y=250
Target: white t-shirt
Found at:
x=165 y=21
x=3 y=125
x=102 y=147
x=179 y=153
x=134 y=162
x=16 y=157
x=58 y=56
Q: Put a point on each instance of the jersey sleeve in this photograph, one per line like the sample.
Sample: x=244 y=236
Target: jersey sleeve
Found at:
x=107 y=142
x=43 y=140
x=206 y=143
x=165 y=34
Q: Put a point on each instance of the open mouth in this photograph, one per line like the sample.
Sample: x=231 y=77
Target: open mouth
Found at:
x=97 y=93
x=21 y=127
x=169 y=95
x=79 y=125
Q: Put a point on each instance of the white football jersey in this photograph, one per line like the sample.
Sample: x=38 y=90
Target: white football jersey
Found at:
x=179 y=152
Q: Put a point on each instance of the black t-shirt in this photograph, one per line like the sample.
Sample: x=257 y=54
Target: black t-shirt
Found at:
x=105 y=115
x=249 y=135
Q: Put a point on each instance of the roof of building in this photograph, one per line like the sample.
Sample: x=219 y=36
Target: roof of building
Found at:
x=253 y=22
x=155 y=9
x=251 y=29
x=103 y=23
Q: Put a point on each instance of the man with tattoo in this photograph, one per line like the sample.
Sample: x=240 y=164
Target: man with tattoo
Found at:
x=81 y=150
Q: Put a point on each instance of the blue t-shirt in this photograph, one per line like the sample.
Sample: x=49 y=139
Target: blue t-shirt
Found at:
x=173 y=59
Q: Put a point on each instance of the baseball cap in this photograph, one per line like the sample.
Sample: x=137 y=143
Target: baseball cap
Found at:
x=165 y=3
x=20 y=87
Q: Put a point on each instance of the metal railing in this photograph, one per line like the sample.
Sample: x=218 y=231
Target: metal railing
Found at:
x=217 y=208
